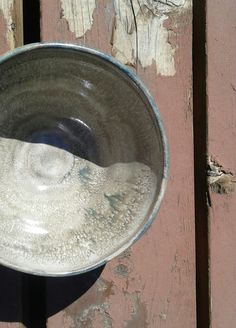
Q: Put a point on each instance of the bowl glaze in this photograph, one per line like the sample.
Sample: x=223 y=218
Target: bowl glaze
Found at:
x=84 y=159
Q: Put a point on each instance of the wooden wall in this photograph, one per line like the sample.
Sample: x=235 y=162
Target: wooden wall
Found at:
x=153 y=284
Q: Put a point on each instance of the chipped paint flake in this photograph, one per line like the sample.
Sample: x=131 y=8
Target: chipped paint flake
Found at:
x=138 y=317
x=151 y=42
x=220 y=180
x=162 y=316
x=97 y=313
x=79 y=15
x=6 y=7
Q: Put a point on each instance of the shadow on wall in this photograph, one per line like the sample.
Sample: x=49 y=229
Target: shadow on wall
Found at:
x=32 y=299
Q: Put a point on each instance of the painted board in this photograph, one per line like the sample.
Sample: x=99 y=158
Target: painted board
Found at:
x=221 y=90
x=153 y=283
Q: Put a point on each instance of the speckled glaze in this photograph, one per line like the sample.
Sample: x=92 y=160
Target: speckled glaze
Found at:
x=83 y=159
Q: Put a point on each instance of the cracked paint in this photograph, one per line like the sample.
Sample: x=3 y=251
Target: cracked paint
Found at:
x=142 y=22
x=137 y=22
x=79 y=15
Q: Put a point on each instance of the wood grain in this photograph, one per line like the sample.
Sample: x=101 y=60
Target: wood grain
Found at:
x=153 y=283
x=11 y=24
x=221 y=49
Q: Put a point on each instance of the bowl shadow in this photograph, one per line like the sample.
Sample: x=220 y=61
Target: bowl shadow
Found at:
x=32 y=299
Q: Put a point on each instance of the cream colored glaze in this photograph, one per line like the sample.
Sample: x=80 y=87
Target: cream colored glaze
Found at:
x=62 y=213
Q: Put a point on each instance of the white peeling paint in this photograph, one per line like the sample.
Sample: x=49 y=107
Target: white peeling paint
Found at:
x=79 y=15
x=6 y=7
x=165 y=6
x=152 y=35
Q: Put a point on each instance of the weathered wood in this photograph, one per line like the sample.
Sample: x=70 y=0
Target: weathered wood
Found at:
x=11 y=24
x=221 y=49
x=152 y=284
x=11 y=36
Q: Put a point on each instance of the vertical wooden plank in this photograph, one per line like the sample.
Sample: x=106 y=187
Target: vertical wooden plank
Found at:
x=11 y=24
x=11 y=36
x=153 y=283
x=221 y=50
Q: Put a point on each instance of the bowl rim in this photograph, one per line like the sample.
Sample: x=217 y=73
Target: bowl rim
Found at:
x=140 y=85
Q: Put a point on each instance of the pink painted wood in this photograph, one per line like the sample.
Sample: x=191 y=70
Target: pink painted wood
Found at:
x=153 y=283
x=221 y=50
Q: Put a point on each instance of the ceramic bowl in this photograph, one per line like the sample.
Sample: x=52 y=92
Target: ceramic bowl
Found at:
x=83 y=158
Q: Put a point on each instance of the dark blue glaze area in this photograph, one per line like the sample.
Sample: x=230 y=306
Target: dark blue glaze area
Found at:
x=70 y=134
x=50 y=138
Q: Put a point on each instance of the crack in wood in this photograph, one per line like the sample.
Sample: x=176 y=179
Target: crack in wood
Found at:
x=142 y=22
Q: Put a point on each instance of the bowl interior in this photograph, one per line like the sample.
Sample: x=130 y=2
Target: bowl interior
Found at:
x=82 y=160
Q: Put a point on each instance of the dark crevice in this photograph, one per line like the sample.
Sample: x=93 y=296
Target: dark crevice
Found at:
x=33 y=287
x=31 y=21
x=42 y=297
x=200 y=163
x=34 y=302
x=31 y=300
x=136 y=34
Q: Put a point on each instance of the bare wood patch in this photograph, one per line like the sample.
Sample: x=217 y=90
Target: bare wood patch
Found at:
x=79 y=15
x=12 y=14
x=139 y=314
x=220 y=180
x=140 y=33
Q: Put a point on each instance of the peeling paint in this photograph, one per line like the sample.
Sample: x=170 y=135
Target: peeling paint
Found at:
x=125 y=255
x=141 y=22
x=165 y=6
x=220 y=180
x=162 y=316
x=122 y=270
x=93 y=310
x=139 y=313
x=6 y=6
x=79 y=15
x=99 y=311
x=105 y=287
